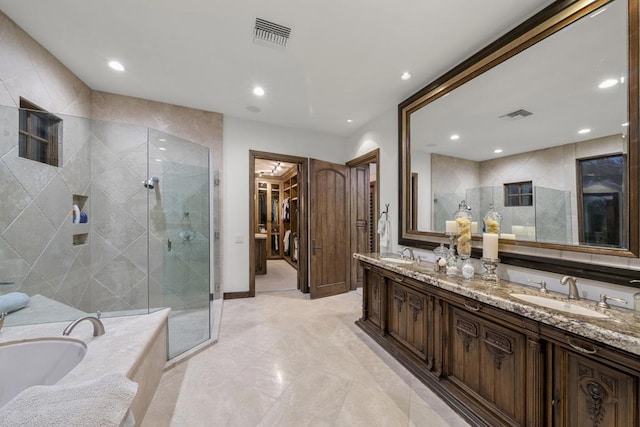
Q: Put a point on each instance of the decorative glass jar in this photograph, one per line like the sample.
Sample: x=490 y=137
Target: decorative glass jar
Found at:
x=440 y=255
x=463 y=218
x=492 y=221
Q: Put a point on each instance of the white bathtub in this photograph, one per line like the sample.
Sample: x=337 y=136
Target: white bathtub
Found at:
x=36 y=362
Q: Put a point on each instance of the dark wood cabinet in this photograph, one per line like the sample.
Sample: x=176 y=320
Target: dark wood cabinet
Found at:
x=487 y=361
x=495 y=367
x=591 y=392
x=375 y=288
x=407 y=318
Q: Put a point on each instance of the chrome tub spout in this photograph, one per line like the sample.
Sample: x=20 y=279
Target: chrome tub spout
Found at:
x=98 y=327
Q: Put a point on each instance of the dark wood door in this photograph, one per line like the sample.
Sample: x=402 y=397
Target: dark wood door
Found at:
x=360 y=213
x=329 y=271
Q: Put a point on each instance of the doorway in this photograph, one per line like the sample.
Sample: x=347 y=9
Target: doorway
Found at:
x=365 y=209
x=278 y=225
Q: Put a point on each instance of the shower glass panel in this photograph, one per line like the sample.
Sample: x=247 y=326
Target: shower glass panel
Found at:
x=139 y=190
x=179 y=233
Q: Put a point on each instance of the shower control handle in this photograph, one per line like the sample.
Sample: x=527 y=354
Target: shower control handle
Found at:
x=169 y=245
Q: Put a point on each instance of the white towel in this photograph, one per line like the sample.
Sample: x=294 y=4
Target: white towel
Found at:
x=103 y=401
x=384 y=230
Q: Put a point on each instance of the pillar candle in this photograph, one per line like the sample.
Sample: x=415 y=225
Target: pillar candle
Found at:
x=490 y=245
x=474 y=227
x=451 y=227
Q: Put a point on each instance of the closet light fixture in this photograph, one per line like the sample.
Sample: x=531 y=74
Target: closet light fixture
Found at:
x=584 y=131
x=498 y=150
x=454 y=137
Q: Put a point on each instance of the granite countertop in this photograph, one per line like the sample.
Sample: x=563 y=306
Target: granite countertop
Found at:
x=621 y=329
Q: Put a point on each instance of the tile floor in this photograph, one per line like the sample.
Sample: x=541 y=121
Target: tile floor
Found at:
x=284 y=360
x=281 y=276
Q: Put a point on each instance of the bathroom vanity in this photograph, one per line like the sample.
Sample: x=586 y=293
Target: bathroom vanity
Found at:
x=499 y=360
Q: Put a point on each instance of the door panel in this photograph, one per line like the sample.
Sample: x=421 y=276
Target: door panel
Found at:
x=359 y=219
x=329 y=229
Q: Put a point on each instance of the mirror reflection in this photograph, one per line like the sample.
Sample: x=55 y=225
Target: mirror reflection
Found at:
x=542 y=137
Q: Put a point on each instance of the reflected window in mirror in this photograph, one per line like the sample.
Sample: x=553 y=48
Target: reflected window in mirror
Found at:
x=518 y=194
x=601 y=182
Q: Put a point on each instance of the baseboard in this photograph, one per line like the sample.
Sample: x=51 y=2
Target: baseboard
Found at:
x=234 y=295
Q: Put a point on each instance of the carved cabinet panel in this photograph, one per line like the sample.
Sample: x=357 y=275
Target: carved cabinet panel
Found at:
x=488 y=361
x=590 y=393
x=375 y=287
x=408 y=318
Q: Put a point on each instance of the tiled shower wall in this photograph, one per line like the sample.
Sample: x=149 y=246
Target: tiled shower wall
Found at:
x=35 y=225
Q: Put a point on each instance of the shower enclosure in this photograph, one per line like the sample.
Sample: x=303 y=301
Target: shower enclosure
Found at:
x=146 y=243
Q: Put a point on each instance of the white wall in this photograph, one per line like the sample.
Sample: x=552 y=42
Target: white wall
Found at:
x=239 y=137
x=382 y=133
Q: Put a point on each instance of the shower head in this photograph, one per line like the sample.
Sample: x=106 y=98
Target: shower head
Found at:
x=151 y=182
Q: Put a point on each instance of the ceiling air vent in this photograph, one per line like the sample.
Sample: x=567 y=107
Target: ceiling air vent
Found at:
x=517 y=115
x=271 y=32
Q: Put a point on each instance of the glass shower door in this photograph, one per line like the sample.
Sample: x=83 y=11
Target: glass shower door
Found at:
x=179 y=233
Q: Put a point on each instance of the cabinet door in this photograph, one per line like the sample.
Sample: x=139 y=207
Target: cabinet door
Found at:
x=375 y=286
x=591 y=393
x=407 y=318
x=487 y=361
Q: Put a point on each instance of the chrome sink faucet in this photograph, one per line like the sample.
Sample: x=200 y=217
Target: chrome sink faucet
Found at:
x=98 y=327
x=573 y=289
x=411 y=256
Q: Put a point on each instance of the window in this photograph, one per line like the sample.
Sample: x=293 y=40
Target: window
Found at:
x=39 y=134
x=518 y=194
x=601 y=200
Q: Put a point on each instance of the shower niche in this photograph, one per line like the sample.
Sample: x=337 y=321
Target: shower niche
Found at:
x=80 y=234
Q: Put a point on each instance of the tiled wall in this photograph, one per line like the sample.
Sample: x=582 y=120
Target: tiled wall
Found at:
x=105 y=162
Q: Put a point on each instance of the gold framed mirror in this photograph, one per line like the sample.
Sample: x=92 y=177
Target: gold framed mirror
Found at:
x=542 y=124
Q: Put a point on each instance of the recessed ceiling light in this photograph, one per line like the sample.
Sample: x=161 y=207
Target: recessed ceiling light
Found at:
x=349 y=120
x=158 y=160
x=608 y=83
x=406 y=75
x=454 y=137
x=162 y=149
x=258 y=91
x=161 y=139
x=583 y=131
x=116 y=65
x=498 y=150
x=625 y=124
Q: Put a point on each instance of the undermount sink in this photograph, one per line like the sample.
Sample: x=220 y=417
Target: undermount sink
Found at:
x=397 y=260
x=36 y=362
x=566 y=306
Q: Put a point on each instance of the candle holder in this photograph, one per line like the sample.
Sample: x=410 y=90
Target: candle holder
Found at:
x=490 y=265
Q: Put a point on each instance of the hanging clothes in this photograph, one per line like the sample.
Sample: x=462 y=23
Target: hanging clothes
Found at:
x=295 y=248
x=285 y=210
x=285 y=242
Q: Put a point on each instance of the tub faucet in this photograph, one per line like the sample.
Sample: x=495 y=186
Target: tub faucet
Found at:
x=98 y=327
x=573 y=289
x=411 y=256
